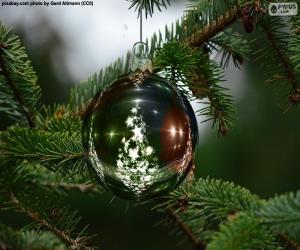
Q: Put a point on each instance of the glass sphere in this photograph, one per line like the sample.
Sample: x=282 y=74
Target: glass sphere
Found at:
x=140 y=136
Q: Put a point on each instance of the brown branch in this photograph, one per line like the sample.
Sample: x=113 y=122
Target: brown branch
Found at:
x=198 y=245
x=206 y=91
x=218 y=25
x=72 y=243
x=199 y=37
x=295 y=97
x=289 y=243
x=18 y=96
x=84 y=188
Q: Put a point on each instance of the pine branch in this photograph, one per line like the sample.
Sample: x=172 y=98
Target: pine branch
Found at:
x=216 y=199
x=294 y=46
x=20 y=95
x=17 y=94
x=279 y=40
x=72 y=243
x=242 y=233
x=218 y=25
x=148 y=5
x=44 y=205
x=57 y=151
x=220 y=108
x=282 y=214
x=195 y=75
x=36 y=175
x=294 y=50
x=24 y=240
x=81 y=94
x=202 y=205
x=232 y=46
x=177 y=62
x=84 y=188
x=59 y=118
x=203 y=21
x=198 y=245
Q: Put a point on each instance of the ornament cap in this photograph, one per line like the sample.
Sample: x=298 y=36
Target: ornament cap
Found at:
x=140 y=59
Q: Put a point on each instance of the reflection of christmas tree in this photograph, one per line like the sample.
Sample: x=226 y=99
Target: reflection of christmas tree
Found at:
x=136 y=163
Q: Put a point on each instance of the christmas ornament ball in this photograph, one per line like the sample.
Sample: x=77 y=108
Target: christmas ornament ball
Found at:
x=140 y=136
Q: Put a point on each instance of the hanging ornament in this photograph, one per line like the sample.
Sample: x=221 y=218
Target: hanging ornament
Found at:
x=140 y=134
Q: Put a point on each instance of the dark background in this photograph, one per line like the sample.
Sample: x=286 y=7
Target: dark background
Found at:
x=261 y=152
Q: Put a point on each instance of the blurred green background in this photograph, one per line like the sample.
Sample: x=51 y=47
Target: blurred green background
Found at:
x=261 y=152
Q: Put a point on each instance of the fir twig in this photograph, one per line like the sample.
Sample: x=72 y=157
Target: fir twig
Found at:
x=218 y=25
x=148 y=5
x=52 y=150
x=11 y=238
x=231 y=46
x=13 y=87
x=243 y=232
x=190 y=68
x=72 y=243
x=205 y=83
x=198 y=245
x=82 y=93
x=290 y=73
x=84 y=188
x=20 y=94
x=282 y=214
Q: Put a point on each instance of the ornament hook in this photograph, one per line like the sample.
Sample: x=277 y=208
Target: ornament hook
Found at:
x=141 y=24
x=140 y=59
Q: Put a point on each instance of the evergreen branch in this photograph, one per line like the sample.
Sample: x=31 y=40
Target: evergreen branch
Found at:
x=294 y=50
x=198 y=245
x=56 y=181
x=65 y=124
x=84 y=188
x=44 y=205
x=72 y=243
x=242 y=233
x=53 y=150
x=218 y=199
x=232 y=46
x=218 y=25
x=282 y=56
x=148 y=5
x=202 y=21
x=219 y=111
x=205 y=84
x=192 y=71
x=177 y=62
x=202 y=205
x=81 y=94
x=294 y=46
x=24 y=240
x=17 y=94
x=282 y=214
x=59 y=118
x=20 y=95
x=278 y=41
